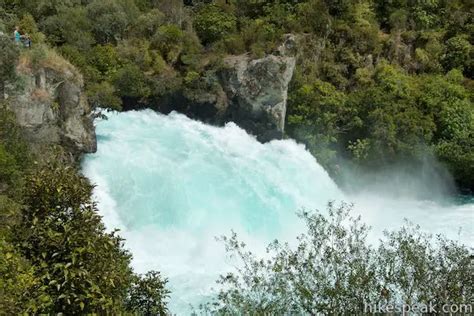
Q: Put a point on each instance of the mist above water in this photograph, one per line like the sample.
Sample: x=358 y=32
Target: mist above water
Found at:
x=172 y=185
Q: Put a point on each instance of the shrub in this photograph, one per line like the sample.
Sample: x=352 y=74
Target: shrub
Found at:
x=333 y=269
x=8 y=57
x=169 y=41
x=148 y=295
x=83 y=268
x=130 y=81
x=103 y=95
x=458 y=53
x=212 y=23
x=20 y=290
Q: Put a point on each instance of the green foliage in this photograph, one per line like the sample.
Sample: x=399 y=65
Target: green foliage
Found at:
x=20 y=289
x=69 y=26
x=105 y=59
x=131 y=82
x=148 y=295
x=168 y=40
x=395 y=124
x=452 y=107
x=42 y=8
x=9 y=215
x=137 y=51
x=333 y=269
x=83 y=268
x=14 y=154
x=8 y=59
x=418 y=14
x=77 y=58
x=103 y=95
x=314 y=16
x=389 y=116
x=28 y=26
x=414 y=267
x=459 y=53
x=110 y=18
x=212 y=23
x=148 y=23
x=317 y=116
x=8 y=166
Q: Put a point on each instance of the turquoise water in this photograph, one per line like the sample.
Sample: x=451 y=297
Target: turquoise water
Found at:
x=172 y=185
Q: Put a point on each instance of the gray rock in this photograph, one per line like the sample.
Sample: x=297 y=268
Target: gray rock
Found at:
x=252 y=92
x=52 y=109
x=257 y=92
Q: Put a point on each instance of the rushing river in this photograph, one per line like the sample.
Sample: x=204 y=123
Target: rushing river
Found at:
x=172 y=185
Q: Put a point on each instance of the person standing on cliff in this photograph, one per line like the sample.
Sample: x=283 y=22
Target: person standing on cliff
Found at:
x=17 y=35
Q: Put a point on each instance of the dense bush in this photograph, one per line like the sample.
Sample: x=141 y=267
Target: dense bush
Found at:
x=334 y=269
x=56 y=256
x=148 y=295
x=212 y=23
x=14 y=153
x=8 y=59
x=83 y=268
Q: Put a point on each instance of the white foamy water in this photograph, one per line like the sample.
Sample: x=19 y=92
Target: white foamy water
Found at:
x=172 y=185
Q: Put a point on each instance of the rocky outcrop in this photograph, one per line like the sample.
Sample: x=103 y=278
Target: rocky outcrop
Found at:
x=252 y=92
x=257 y=90
x=257 y=93
x=51 y=107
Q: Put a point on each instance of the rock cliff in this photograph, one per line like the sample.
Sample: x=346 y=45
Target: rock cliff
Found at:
x=51 y=106
x=252 y=92
x=257 y=93
x=257 y=90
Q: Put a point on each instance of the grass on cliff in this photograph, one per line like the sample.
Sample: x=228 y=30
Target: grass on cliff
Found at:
x=40 y=57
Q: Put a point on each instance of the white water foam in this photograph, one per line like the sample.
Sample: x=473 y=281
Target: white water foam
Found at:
x=172 y=185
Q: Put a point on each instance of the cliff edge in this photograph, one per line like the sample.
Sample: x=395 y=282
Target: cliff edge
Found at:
x=50 y=104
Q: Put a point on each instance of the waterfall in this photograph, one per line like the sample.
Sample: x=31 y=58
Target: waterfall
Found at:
x=172 y=185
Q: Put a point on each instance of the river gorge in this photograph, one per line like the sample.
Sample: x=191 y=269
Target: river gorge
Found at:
x=172 y=185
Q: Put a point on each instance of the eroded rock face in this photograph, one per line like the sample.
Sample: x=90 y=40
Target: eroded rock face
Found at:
x=257 y=93
x=251 y=92
x=52 y=109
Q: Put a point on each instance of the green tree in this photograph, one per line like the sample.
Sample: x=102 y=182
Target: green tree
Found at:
x=20 y=290
x=333 y=269
x=8 y=59
x=459 y=53
x=395 y=124
x=14 y=154
x=131 y=82
x=103 y=95
x=317 y=116
x=148 y=295
x=414 y=267
x=105 y=59
x=453 y=111
x=84 y=268
x=28 y=26
x=69 y=26
x=169 y=39
x=147 y=24
x=212 y=23
x=110 y=18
